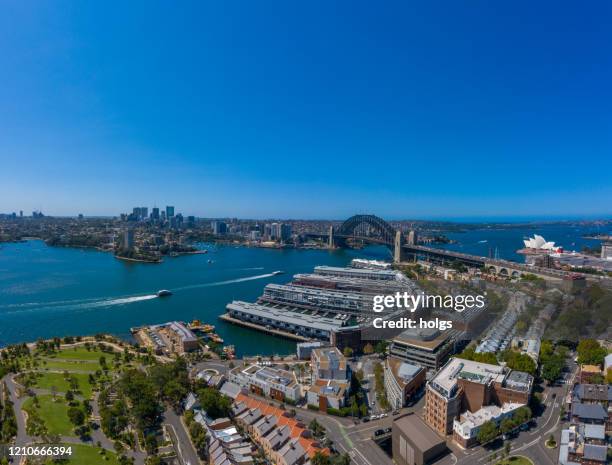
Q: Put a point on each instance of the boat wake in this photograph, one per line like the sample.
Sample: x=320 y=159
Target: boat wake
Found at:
x=91 y=303
x=223 y=283
x=67 y=305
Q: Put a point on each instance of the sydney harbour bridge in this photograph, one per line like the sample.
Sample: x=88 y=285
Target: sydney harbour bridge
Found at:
x=374 y=230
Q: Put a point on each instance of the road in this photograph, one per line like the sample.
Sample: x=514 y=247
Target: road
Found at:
x=22 y=437
x=528 y=443
x=356 y=439
x=180 y=437
x=367 y=365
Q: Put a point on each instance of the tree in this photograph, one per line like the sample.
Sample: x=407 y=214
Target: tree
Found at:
x=368 y=349
x=320 y=459
x=483 y=357
x=69 y=396
x=381 y=347
x=343 y=459
x=150 y=443
x=590 y=352
x=214 y=403
x=198 y=437
x=348 y=352
x=507 y=425
x=488 y=431
x=76 y=416
x=520 y=362
x=317 y=429
x=522 y=415
x=552 y=369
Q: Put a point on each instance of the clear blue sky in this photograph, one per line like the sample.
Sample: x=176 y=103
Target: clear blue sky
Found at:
x=318 y=110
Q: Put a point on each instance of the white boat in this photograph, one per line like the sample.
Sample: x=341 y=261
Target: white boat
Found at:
x=163 y=293
x=274 y=273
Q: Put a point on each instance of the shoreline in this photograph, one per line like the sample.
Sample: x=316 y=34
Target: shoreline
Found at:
x=273 y=332
x=137 y=260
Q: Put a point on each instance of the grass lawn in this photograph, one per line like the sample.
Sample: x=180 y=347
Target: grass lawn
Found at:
x=516 y=460
x=70 y=365
x=88 y=455
x=53 y=413
x=81 y=353
x=47 y=380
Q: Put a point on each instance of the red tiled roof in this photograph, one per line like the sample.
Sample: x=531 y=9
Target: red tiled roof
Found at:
x=309 y=445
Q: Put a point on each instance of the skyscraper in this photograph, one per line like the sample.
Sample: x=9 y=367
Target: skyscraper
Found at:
x=155 y=213
x=144 y=212
x=128 y=239
x=169 y=212
x=219 y=227
x=285 y=232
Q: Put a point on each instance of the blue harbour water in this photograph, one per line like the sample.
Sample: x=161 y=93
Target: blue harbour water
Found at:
x=485 y=241
x=51 y=291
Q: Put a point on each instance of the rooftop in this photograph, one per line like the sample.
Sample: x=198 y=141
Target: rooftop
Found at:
x=445 y=380
x=403 y=372
x=418 y=431
x=471 y=420
x=289 y=317
x=596 y=453
x=295 y=428
x=589 y=411
x=597 y=392
x=594 y=431
x=329 y=357
x=519 y=381
x=335 y=270
x=429 y=339
x=266 y=374
x=329 y=388
x=181 y=330
x=590 y=368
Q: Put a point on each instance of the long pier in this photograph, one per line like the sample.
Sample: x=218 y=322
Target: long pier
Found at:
x=263 y=329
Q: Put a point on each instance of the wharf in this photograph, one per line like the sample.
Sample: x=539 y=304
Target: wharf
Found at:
x=272 y=331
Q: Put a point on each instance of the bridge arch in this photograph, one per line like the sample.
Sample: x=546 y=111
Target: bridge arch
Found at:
x=384 y=229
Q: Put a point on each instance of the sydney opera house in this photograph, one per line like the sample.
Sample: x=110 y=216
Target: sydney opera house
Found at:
x=539 y=243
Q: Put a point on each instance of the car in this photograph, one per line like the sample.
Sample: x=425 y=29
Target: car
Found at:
x=379 y=432
x=365 y=419
x=396 y=412
x=524 y=427
x=384 y=415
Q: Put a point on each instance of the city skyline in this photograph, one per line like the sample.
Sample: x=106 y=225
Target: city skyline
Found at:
x=406 y=111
